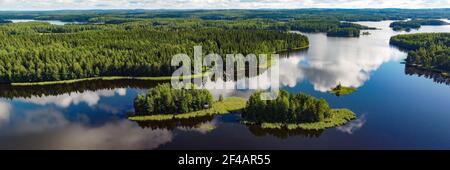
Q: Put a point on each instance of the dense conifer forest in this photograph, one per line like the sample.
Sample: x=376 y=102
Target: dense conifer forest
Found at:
x=33 y=52
x=426 y=50
x=163 y=99
x=287 y=108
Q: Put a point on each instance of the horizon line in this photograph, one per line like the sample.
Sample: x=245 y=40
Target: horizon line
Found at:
x=206 y=9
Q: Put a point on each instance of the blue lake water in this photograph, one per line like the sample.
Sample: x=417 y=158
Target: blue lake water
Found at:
x=396 y=108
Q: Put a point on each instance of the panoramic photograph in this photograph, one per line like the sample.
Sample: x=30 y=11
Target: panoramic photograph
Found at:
x=224 y=75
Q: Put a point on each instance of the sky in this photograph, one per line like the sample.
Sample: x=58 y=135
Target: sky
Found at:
x=215 y=4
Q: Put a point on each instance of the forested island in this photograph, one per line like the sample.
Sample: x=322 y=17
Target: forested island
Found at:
x=332 y=28
x=430 y=51
x=164 y=103
x=294 y=111
x=415 y=24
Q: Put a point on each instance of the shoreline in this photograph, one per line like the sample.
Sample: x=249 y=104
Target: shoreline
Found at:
x=105 y=78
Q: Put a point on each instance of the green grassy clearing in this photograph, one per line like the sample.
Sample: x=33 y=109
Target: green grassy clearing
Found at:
x=338 y=117
x=228 y=105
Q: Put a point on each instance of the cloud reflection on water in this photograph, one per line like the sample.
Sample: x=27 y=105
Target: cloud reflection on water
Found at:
x=354 y=125
x=50 y=129
x=202 y=128
x=331 y=61
x=5 y=109
x=91 y=98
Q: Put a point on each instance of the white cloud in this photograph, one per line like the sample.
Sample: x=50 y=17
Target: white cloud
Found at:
x=215 y=4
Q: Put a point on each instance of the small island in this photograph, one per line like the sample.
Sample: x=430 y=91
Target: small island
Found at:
x=428 y=51
x=293 y=111
x=165 y=103
x=414 y=24
x=340 y=90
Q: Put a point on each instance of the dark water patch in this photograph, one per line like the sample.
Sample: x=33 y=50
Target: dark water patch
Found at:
x=437 y=77
x=9 y=91
x=175 y=123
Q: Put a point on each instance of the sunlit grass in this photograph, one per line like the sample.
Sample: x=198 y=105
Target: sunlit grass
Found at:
x=337 y=117
x=228 y=105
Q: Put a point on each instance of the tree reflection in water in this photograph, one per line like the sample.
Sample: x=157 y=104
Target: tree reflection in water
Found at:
x=176 y=123
x=8 y=91
x=284 y=133
x=435 y=76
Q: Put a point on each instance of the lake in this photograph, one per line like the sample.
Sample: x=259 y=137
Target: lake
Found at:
x=397 y=107
x=53 y=22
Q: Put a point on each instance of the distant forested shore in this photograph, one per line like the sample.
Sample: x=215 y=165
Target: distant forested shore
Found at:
x=231 y=14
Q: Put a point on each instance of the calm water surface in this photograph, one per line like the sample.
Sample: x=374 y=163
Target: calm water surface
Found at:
x=53 y=22
x=397 y=107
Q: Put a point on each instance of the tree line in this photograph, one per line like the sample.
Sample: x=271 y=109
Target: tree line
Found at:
x=163 y=99
x=287 y=108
